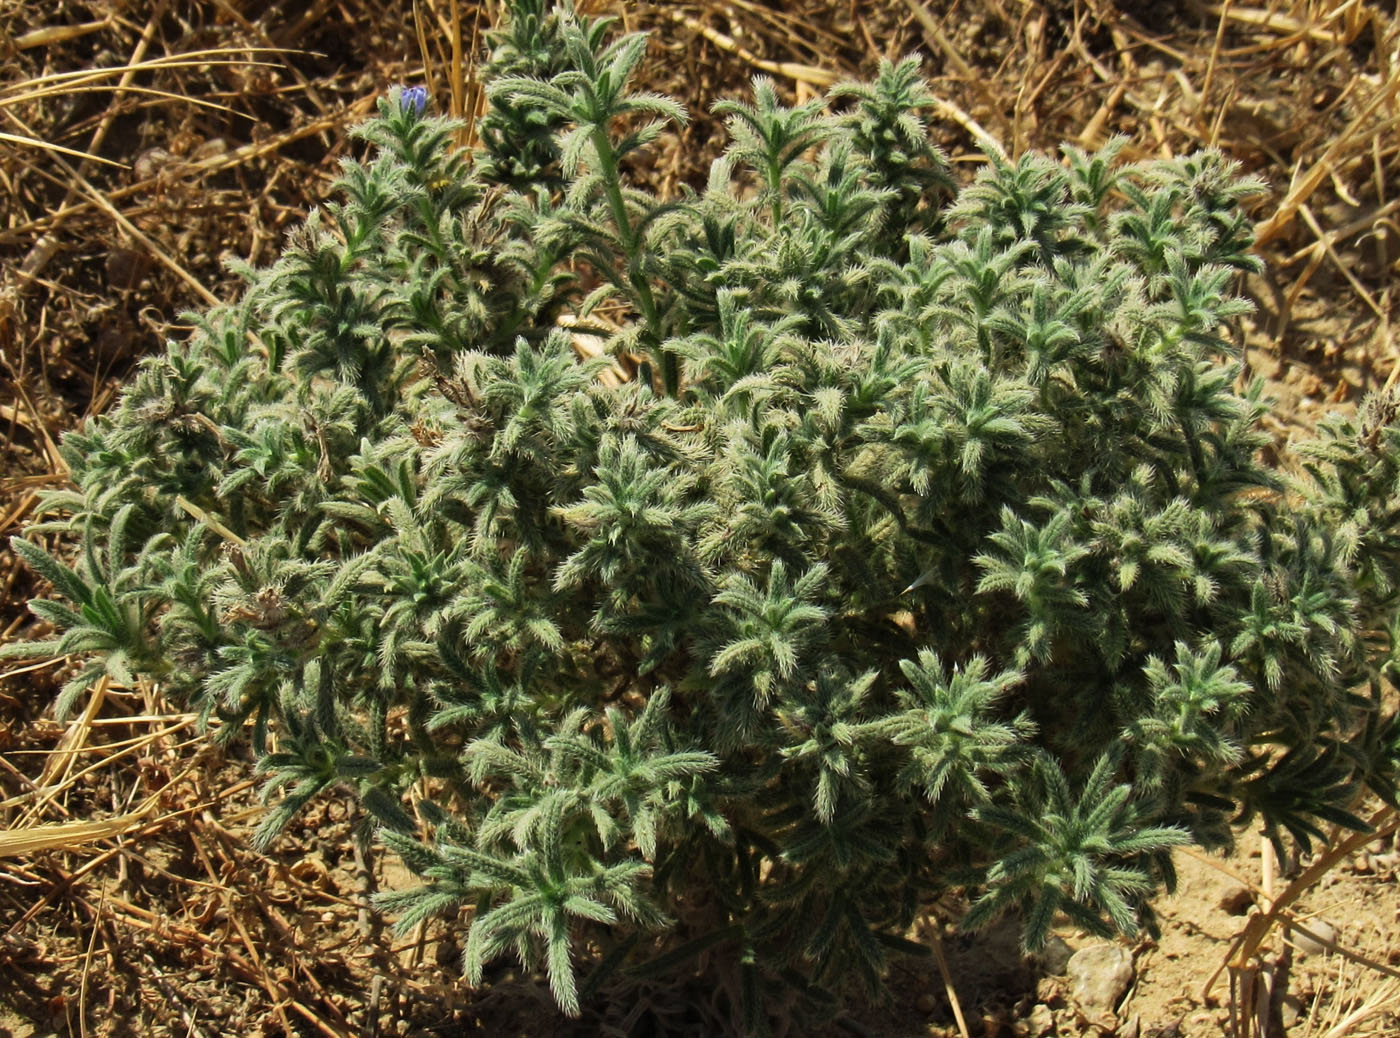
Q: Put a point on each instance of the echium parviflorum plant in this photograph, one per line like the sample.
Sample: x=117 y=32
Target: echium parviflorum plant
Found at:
x=906 y=540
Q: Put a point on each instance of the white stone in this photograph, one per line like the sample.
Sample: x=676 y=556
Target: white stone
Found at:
x=1320 y=934
x=1041 y=1021
x=1099 y=974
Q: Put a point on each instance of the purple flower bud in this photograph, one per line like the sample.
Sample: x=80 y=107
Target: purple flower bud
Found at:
x=413 y=99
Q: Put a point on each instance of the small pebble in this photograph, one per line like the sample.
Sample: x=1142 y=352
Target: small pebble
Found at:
x=1237 y=900
x=1320 y=934
x=1041 y=1021
x=1290 y=1011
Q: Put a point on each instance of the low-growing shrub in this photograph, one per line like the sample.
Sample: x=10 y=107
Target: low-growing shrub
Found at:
x=904 y=540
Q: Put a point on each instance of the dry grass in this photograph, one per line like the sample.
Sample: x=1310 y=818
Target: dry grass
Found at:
x=142 y=142
x=1255 y=957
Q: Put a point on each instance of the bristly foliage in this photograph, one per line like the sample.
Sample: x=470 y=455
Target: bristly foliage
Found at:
x=929 y=545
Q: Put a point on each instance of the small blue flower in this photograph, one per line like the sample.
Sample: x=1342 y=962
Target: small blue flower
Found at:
x=413 y=99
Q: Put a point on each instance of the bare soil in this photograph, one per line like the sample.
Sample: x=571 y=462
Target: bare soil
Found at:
x=214 y=125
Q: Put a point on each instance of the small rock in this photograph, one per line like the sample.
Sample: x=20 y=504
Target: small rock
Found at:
x=1054 y=956
x=1320 y=934
x=1290 y=1011
x=1101 y=1025
x=1099 y=974
x=1050 y=990
x=1132 y=1028
x=1041 y=1021
x=926 y=1003
x=1237 y=900
x=1363 y=864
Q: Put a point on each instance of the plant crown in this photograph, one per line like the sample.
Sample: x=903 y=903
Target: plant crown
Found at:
x=903 y=539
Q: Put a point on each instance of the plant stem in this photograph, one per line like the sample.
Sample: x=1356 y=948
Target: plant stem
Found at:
x=636 y=280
